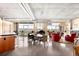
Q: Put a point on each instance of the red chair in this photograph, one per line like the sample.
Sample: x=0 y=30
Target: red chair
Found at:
x=70 y=38
x=58 y=33
x=73 y=35
x=56 y=37
x=67 y=38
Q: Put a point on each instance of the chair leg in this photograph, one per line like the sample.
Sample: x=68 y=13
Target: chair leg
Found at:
x=38 y=42
x=44 y=44
x=33 y=42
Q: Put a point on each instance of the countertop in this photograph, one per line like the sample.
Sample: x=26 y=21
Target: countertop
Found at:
x=6 y=34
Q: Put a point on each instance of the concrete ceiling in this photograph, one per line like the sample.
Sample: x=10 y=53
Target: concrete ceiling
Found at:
x=15 y=12
x=39 y=11
x=55 y=10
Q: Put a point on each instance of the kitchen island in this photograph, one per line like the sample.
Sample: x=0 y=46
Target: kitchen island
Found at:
x=7 y=42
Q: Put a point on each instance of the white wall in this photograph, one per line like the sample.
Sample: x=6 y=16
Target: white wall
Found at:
x=75 y=24
x=6 y=26
x=0 y=26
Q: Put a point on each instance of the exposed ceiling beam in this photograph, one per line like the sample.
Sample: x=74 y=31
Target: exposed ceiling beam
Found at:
x=23 y=8
x=32 y=11
x=27 y=10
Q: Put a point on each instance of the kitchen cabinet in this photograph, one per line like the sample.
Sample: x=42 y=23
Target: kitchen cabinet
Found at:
x=7 y=43
x=11 y=42
x=1 y=44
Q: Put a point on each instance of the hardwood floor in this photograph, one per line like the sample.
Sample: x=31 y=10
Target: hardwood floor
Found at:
x=56 y=49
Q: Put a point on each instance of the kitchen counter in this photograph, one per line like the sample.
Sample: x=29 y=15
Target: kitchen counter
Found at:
x=7 y=42
x=5 y=34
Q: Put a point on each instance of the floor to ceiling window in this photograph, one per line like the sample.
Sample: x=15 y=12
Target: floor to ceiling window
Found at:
x=39 y=26
x=53 y=26
x=23 y=30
